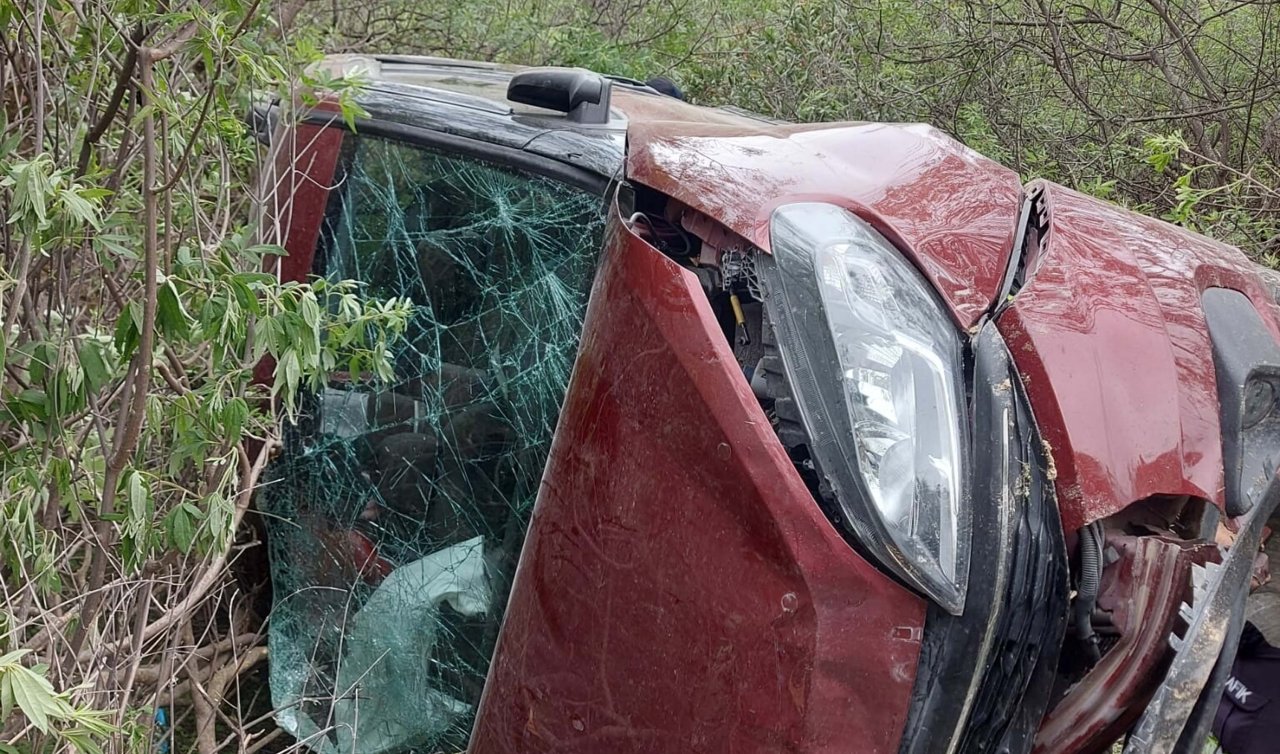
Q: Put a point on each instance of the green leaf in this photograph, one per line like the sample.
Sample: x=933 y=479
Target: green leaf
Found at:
x=129 y=551
x=80 y=209
x=43 y=356
x=288 y=373
x=182 y=530
x=234 y=416
x=60 y=472
x=247 y=300
x=35 y=401
x=127 y=329
x=33 y=695
x=30 y=190
x=350 y=111
x=309 y=308
x=171 y=316
x=94 y=366
x=219 y=518
x=118 y=245
x=82 y=740
x=139 y=496
x=256 y=278
x=6 y=696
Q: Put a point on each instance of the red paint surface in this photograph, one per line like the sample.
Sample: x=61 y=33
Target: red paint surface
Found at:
x=679 y=589
x=949 y=208
x=1142 y=592
x=305 y=166
x=642 y=107
x=304 y=163
x=1111 y=341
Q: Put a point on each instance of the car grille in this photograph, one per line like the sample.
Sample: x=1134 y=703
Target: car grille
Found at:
x=984 y=677
x=1018 y=678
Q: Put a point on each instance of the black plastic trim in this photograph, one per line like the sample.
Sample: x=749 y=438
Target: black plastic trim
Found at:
x=983 y=679
x=583 y=95
x=497 y=154
x=1244 y=355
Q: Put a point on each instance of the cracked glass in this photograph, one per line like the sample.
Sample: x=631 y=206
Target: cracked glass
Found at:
x=396 y=512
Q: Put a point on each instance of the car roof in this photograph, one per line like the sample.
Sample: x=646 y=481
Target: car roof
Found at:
x=468 y=99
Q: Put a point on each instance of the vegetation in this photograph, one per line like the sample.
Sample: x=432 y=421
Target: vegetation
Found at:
x=1169 y=106
x=133 y=302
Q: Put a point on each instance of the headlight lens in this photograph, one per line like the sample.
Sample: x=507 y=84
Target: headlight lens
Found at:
x=877 y=370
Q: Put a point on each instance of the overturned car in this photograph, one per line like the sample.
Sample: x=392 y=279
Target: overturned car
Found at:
x=715 y=433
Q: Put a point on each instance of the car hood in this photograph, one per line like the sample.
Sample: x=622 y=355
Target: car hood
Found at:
x=1111 y=341
x=953 y=211
x=1107 y=331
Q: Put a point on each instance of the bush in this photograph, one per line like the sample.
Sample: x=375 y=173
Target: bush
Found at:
x=133 y=307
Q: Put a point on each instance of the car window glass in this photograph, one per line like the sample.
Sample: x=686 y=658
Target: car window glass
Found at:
x=397 y=511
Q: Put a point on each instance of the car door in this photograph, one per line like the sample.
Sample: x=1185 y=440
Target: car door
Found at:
x=399 y=503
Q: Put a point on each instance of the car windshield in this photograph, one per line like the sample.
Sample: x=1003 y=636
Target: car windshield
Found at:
x=397 y=511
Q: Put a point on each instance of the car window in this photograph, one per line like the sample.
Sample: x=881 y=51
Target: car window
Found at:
x=397 y=511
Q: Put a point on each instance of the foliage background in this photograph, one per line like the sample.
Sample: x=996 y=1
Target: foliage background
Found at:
x=132 y=304
x=136 y=298
x=1169 y=106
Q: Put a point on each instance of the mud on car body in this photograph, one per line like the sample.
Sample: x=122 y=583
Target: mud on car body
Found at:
x=840 y=437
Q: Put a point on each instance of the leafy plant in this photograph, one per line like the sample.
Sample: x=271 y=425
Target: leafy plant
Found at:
x=27 y=689
x=1066 y=92
x=135 y=311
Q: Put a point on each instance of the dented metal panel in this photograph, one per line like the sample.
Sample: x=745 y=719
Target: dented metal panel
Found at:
x=1111 y=341
x=1141 y=593
x=679 y=590
x=952 y=210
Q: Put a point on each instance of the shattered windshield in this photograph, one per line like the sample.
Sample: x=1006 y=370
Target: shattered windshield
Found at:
x=397 y=511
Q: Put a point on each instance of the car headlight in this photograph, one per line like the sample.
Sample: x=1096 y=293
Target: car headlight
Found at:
x=876 y=367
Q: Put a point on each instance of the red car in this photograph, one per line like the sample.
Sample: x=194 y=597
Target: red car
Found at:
x=841 y=438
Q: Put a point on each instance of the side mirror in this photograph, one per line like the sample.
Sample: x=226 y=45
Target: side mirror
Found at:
x=261 y=118
x=579 y=93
